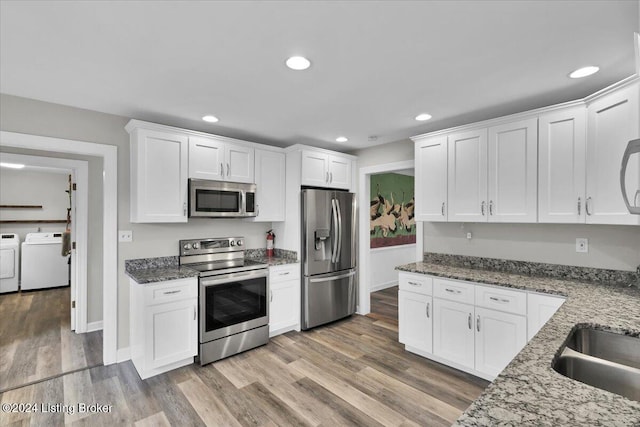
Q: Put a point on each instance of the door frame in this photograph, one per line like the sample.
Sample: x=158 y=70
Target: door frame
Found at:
x=79 y=170
x=364 y=184
x=109 y=155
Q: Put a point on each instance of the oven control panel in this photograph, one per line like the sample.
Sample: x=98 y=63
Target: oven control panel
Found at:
x=211 y=246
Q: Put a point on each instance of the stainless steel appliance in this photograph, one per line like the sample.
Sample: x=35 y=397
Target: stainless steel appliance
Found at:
x=221 y=199
x=328 y=256
x=232 y=293
x=631 y=200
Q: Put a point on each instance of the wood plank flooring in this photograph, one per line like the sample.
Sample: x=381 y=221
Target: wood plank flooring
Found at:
x=352 y=372
x=36 y=341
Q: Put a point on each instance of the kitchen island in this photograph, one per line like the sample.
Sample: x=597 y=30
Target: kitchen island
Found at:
x=528 y=391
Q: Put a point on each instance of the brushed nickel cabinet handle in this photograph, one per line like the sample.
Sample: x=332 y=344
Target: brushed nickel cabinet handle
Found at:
x=326 y=179
x=414 y=284
x=490 y=207
x=442 y=209
x=579 y=206
x=469 y=321
x=587 y=205
x=453 y=291
x=194 y=312
x=427 y=310
x=172 y=292
x=221 y=169
x=482 y=207
x=330 y=176
x=503 y=300
x=270 y=296
x=285 y=273
x=228 y=169
x=478 y=323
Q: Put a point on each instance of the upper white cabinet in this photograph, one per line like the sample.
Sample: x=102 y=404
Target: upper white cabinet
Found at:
x=431 y=179
x=467 y=183
x=321 y=169
x=561 y=172
x=158 y=175
x=513 y=171
x=270 y=174
x=612 y=120
x=216 y=159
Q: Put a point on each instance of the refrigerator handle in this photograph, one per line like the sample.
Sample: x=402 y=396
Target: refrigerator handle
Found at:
x=339 y=231
x=334 y=229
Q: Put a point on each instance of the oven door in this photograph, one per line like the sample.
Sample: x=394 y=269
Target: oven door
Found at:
x=233 y=303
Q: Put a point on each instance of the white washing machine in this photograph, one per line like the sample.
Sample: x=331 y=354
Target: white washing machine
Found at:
x=9 y=262
x=43 y=265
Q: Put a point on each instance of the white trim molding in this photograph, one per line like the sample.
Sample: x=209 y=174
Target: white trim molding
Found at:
x=123 y=354
x=109 y=154
x=94 y=326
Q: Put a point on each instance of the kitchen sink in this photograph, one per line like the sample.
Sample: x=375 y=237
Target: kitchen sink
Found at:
x=602 y=359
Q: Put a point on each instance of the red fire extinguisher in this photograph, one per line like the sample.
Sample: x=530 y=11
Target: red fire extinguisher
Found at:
x=270 y=239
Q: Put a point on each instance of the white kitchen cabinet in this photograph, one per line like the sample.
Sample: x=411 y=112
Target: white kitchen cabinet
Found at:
x=163 y=325
x=431 y=179
x=612 y=121
x=540 y=308
x=562 y=166
x=321 y=169
x=159 y=162
x=453 y=336
x=513 y=171
x=499 y=337
x=270 y=175
x=217 y=159
x=415 y=320
x=284 y=298
x=467 y=176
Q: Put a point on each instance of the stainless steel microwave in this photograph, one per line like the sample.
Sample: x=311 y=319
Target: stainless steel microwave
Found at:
x=220 y=199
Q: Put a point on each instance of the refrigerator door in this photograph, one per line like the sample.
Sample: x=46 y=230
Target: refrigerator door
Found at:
x=347 y=242
x=319 y=231
x=328 y=297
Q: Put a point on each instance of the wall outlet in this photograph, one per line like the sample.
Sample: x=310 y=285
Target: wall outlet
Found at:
x=582 y=245
x=469 y=235
x=125 y=236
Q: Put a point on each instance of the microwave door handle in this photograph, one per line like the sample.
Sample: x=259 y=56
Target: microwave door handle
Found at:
x=243 y=206
x=632 y=148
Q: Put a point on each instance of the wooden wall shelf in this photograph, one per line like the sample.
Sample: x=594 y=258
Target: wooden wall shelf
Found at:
x=20 y=206
x=33 y=221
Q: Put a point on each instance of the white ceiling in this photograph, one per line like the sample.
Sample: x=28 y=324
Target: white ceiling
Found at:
x=375 y=65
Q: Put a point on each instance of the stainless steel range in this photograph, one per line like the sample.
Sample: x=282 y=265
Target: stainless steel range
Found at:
x=234 y=309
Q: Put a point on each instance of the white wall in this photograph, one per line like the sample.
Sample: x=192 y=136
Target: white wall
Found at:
x=386 y=153
x=149 y=240
x=30 y=187
x=382 y=264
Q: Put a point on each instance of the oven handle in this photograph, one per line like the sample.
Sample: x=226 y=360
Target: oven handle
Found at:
x=225 y=278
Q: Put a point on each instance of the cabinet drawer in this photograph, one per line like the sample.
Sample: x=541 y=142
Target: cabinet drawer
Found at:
x=507 y=300
x=279 y=273
x=170 y=291
x=454 y=290
x=418 y=283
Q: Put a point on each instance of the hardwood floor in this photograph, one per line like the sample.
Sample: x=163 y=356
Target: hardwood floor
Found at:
x=352 y=372
x=36 y=341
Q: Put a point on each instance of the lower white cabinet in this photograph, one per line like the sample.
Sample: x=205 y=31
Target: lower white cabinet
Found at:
x=415 y=320
x=540 y=308
x=453 y=338
x=499 y=337
x=284 y=298
x=164 y=325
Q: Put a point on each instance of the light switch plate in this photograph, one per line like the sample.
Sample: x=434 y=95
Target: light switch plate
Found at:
x=582 y=245
x=125 y=236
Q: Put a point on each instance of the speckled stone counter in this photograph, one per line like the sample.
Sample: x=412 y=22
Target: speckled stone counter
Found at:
x=149 y=270
x=281 y=256
x=529 y=391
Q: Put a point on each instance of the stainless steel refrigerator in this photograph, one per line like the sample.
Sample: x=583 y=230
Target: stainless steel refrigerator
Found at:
x=329 y=252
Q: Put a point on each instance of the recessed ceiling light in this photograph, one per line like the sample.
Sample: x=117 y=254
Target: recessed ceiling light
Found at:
x=342 y=139
x=12 y=165
x=298 y=63
x=584 y=72
x=210 y=119
x=422 y=117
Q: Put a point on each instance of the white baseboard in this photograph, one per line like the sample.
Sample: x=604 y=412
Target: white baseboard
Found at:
x=385 y=285
x=94 y=326
x=123 y=354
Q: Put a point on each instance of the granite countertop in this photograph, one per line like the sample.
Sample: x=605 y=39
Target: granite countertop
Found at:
x=274 y=260
x=529 y=391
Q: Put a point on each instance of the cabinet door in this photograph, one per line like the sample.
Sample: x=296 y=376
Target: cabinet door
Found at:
x=431 y=179
x=159 y=177
x=415 y=320
x=171 y=332
x=540 y=308
x=206 y=158
x=270 y=185
x=612 y=121
x=513 y=172
x=239 y=163
x=499 y=337
x=453 y=337
x=467 y=185
x=339 y=172
x=561 y=171
x=284 y=302
x=315 y=168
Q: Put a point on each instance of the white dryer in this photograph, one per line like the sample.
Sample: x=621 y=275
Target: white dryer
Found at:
x=9 y=262
x=43 y=265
